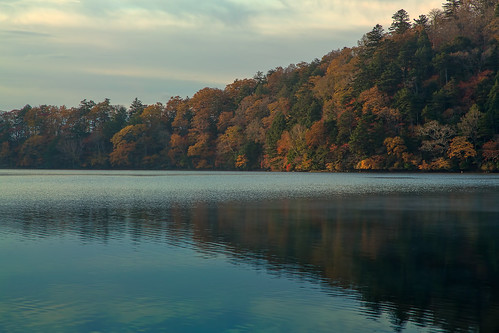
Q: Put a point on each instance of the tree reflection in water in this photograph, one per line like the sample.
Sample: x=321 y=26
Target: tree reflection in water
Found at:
x=431 y=260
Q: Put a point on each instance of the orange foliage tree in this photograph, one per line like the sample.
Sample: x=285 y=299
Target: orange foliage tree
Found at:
x=461 y=149
x=126 y=146
x=207 y=104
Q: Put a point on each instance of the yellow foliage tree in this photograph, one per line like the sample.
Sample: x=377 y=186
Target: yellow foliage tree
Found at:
x=241 y=161
x=439 y=164
x=461 y=149
x=397 y=152
x=395 y=146
x=371 y=163
x=228 y=145
x=336 y=86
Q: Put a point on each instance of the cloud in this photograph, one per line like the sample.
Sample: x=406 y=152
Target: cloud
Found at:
x=159 y=73
x=303 y=17
x=153 y=46
x=269 y=17
x=23 y=33
x=50 y=17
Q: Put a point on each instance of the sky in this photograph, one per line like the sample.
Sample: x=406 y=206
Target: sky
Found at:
x=59 y=52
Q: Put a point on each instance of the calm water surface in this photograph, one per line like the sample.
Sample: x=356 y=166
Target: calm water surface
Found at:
x=102 y=251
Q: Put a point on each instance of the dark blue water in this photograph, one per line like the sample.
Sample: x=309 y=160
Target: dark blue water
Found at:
x=248 y=252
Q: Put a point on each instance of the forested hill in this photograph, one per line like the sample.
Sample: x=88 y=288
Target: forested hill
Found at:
x=422 y=94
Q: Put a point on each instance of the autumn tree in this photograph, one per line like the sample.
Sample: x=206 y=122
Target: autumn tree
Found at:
x=229 y=148
x=398 y=155
x=319 y=138
x=299 y=154
x=156 y=136
x=179 y=110
x=207 y=104
x=127 y=146
x=490 y=154
x=276 y=122
x=240 y=89
x=274 y=134
x=177 y=153
x=461 y=150
x=335 y=88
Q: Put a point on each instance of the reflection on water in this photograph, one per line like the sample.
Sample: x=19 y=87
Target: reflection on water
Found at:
x=200 y=252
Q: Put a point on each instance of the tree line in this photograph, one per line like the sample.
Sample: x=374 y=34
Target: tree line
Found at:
x=423 y=95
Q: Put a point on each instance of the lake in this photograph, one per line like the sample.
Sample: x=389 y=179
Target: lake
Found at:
x=172 y=251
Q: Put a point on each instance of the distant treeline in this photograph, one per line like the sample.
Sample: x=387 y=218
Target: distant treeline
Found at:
x=423 y=95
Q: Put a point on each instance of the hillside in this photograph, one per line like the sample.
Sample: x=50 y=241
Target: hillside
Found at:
x=421 y=95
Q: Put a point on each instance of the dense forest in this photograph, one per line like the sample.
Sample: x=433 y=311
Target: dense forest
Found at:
x=423 y=95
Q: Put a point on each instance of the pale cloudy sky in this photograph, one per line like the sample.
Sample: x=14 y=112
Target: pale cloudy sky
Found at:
x=62 y=51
